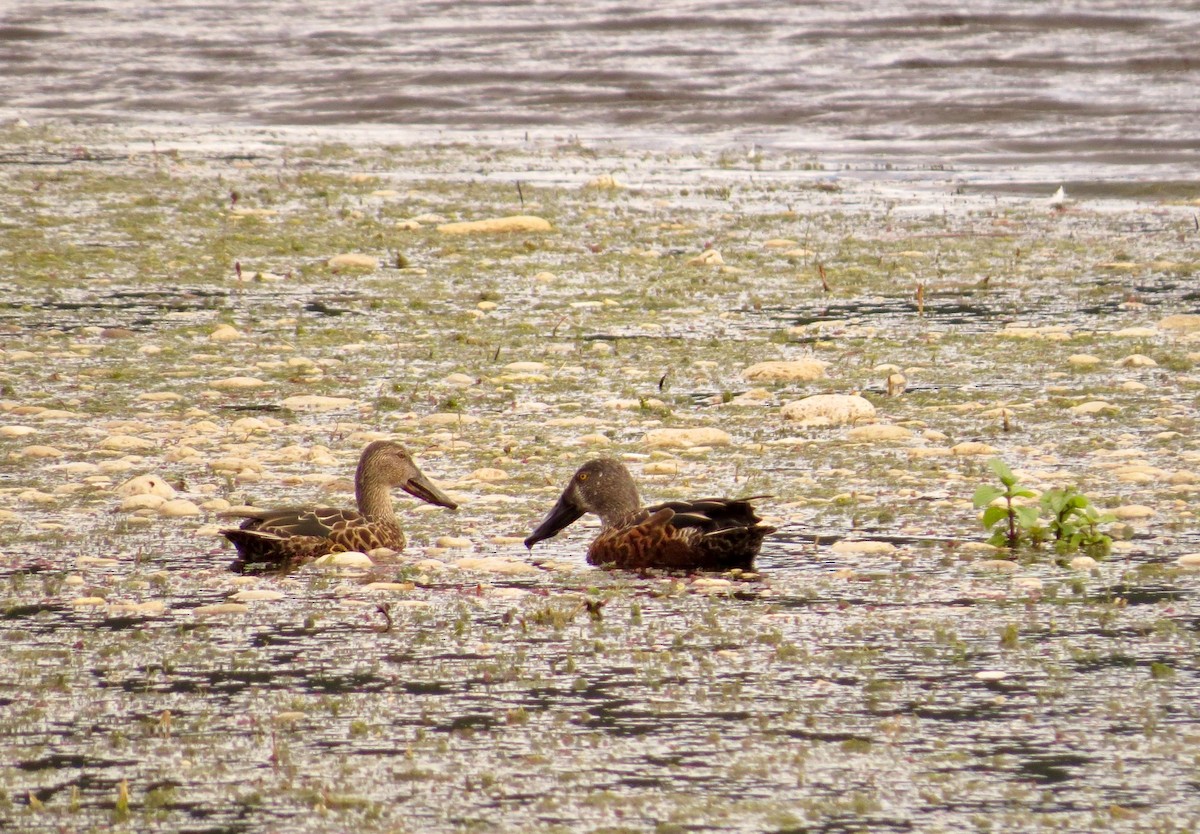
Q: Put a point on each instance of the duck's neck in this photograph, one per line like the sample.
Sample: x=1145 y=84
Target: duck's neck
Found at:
x=374 y=497
x=623 y=506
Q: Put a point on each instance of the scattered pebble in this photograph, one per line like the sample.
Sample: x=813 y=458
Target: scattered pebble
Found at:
x=495 y=564
x=354 y=260
x=234 y=383
x=991 y=675
x=1083 y=563
x=973 y=447
x=514 y=223
x=177 y=508
x=220 y=609
x=454 y=543
x=856 y=546
x=829 y=409
x=878 y=433
x=1189 y=560
x=794 y=370
x=709 y=257
x=224 y=333
x=1132 y=511
x=686 y=438
x=146 y=485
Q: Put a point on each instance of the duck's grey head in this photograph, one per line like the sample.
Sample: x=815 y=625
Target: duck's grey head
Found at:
x=602 y=486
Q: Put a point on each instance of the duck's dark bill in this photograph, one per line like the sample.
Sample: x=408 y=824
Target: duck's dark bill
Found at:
x=564 y=513
x=421 y=487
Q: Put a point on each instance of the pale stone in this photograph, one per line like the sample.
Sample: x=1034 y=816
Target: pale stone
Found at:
x=1027 y=583
x=459 y=380
x=1184 y=322
x=290 y=717
x=125 y=443
x=595 y=440
x=513 y=223
x=795 y=370
x=1092 y=407
x=687 y=438
x=37 y=451
x=346 y=559
x=1083 y=360
x=454 y=542
x=495 y=564
x=236 y=382
x=316 y=402
x=1136 y=360
x=829 y=409
x=489 y=475
x=1132 y=511
x=249 y=425
x=973 y=447
x=224 y=333
x=604 y=182
x=1136 y=333
x=354 y=260
x=146 y=484
x=778 y=243
x=878 y=433
x=999 y=565
x=220 y=608
x=869 y=547
x=991 y=675
x=1189 y=560
x=256 y=595
x=661 y=467
x=1083 y=563
x=507 y=540
x=145 y=501
x=525 y=367
x=159 y=397
x=83 y=602
x=17 y=431
x=177 y=508
x=709 y=257
x=389 y=586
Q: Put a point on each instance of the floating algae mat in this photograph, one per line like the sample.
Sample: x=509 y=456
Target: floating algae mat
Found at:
x=185 y=328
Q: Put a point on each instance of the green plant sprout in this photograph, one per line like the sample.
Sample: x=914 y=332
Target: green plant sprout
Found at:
x=1010 y=524
x=1074 y=523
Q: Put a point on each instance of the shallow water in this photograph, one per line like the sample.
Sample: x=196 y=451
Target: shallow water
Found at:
x=1027 y=92
x=836 y=691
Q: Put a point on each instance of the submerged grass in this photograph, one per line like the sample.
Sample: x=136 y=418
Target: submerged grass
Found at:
x=837 y=689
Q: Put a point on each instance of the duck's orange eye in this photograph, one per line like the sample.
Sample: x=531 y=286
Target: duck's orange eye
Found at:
x=583 y=476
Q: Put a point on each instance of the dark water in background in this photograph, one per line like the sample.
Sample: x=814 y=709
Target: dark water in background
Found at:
x=1044 y=91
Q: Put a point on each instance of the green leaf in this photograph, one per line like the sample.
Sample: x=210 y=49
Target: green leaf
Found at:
x=986 y=495
x=1002 y=471
x=1026 y=516
x=1023 y=493
x=992 y=515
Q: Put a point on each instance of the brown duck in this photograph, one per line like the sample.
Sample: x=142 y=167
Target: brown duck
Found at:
x=709 y=534
x=285 y=538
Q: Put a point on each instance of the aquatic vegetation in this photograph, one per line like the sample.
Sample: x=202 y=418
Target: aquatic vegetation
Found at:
x=1012 y=525
x=1073 y=523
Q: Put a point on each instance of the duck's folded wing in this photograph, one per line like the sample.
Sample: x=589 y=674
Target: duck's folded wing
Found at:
x=300 y=521
x=711 y=514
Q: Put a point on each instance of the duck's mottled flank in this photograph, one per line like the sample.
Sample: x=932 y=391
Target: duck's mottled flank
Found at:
x=285 y=538
x=707 y=534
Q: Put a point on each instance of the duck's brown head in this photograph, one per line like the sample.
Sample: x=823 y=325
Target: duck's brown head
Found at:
x=388 y=463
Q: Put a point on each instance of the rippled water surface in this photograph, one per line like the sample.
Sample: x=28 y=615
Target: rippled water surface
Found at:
x=1061 y=91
